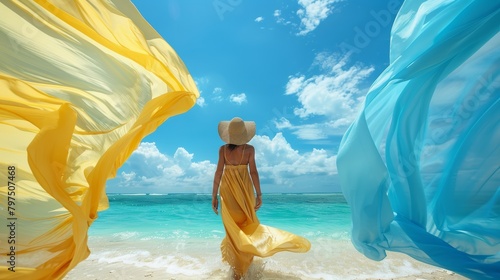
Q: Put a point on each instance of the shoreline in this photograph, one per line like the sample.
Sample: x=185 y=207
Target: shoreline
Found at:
x=328 y=259
x=210 y=194
x=92 y=269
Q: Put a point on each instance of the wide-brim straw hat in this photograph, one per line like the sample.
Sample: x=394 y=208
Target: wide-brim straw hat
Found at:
x=236 y=131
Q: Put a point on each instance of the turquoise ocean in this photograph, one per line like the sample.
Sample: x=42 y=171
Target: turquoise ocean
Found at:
x=179 y=236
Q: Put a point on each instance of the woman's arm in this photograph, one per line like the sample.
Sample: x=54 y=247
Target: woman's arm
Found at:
x=217 y=177
x=254 y=174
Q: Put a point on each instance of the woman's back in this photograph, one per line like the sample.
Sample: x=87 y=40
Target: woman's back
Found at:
x=237 y=154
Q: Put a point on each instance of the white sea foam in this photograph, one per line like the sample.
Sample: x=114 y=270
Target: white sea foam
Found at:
x=328 y=259
x=124 y=235
x=170 y=262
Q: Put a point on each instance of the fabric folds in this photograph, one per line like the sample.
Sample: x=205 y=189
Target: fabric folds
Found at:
x=246 y=237
x=420 y=165
x=81 y=83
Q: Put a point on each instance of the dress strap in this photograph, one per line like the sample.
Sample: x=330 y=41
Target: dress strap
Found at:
x=226 y=160
x=243 y=153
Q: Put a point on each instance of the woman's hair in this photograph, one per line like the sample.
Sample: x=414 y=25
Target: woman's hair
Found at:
x=231 y=146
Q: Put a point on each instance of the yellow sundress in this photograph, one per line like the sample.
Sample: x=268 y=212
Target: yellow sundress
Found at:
x=246 y=237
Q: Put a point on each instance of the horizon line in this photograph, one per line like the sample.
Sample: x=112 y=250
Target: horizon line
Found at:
x=177 y=193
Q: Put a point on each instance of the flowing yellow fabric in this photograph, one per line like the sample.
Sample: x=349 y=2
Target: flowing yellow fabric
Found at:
x=245 y=236
x=81 y=83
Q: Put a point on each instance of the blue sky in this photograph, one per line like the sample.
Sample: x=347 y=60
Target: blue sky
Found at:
x=299 y=68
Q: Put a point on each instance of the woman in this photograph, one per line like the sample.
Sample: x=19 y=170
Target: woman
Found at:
x=245 y=236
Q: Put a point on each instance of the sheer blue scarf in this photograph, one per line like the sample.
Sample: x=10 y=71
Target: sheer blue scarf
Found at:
x=419 y=167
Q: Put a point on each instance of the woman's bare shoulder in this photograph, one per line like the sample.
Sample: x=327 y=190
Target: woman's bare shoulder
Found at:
x=250 y=148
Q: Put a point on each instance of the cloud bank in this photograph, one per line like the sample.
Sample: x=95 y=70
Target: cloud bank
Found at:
x=281 y=169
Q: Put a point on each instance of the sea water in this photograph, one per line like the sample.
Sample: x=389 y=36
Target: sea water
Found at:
x=190 y=216
x=180 y=235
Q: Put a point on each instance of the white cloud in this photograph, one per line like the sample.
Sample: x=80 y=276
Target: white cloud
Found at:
x=128 y=176
x=183 y=158
x=201 y=81
x=203 y=84
x=150 y=151
x=312 y=13
x=259 y=19
x=294 y=84
x=201 y=102
x=217 y=94
x=335 y=94
x=278 y=162
x=279 y=165
x=155 y=172
x=311 y=131
x=277 y=15
x=282 y=123
x=280 y=19
x=238 y=98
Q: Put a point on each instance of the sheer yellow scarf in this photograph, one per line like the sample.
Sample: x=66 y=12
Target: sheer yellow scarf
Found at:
x=81 y=83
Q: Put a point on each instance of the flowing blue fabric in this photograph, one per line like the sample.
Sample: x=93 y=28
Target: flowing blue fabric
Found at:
x=420 y=165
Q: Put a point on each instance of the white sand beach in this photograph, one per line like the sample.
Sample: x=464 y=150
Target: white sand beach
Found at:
x=328 y=260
